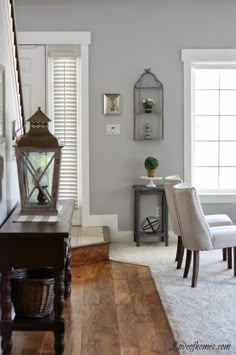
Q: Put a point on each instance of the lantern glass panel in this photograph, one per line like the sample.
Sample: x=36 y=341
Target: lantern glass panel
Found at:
x=38 y=169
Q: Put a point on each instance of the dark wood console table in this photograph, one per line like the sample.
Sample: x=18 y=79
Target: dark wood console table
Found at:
x=36 y=245
x=147 y=236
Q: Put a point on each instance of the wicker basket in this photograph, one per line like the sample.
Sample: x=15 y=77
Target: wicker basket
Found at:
x=33 y=292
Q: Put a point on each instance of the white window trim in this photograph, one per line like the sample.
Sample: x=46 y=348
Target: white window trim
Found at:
x=82 y=38
x=189 y=58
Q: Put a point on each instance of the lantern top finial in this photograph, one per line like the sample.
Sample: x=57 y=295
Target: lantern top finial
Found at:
x=38 y=116
x=38 y=134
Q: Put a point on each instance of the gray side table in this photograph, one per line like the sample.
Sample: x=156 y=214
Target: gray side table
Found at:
x=150 y=236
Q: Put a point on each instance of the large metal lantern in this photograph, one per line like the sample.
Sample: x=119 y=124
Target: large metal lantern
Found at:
x=38 y=156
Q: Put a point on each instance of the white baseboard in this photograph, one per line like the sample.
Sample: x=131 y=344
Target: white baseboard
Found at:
x=122 y=236
x=111 y=221
x=76 y=219
x=128 y=236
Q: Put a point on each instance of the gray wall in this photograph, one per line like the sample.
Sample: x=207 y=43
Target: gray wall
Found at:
x=128 y=36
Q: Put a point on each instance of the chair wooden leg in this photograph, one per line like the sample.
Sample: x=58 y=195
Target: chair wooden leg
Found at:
x=195 y=268
x=234 y=261
x=224 y=253
x=229 y=257
x=179 y=244
x=180 y=257
x=187 y=263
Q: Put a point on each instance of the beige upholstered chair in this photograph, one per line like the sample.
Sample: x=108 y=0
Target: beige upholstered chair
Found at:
x=212 y=220
x=195 y=231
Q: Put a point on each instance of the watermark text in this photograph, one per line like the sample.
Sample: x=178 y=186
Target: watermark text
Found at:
x=196 y=346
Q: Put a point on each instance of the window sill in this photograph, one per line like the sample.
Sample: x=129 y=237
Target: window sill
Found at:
x=217 y=197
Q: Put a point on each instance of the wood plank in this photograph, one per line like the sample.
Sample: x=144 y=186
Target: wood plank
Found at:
x=146 y=334
x=148 y=339
x=18 y=344
x=140 y=304
x=130 y=351
x=100 y=326
x=128 y=290
x=122 y=295
x=127 y=326
x=47 y=344
x=91 y=292
x=34 y=343
x=74 y=316
x=124 y=271
x=160 y=321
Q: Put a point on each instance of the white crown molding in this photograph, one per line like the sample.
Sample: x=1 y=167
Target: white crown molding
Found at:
x=208 y=55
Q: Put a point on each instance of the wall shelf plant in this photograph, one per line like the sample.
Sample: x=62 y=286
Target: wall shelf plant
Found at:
x=148 y=107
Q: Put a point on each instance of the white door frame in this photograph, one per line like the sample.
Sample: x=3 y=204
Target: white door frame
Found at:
x=84 y=40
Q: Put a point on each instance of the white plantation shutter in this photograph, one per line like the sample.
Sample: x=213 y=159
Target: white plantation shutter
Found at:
x=65 y=107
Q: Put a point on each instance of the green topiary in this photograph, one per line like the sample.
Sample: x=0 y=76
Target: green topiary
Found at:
x=151 y=163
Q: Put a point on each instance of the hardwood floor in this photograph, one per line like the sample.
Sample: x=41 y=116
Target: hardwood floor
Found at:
x=114 y=309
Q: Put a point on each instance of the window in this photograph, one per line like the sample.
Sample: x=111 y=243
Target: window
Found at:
x=65 y=73
x=214 y=115
x=210 y=122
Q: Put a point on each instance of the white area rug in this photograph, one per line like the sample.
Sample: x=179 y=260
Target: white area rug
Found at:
x=204 y=316
x=148 y=254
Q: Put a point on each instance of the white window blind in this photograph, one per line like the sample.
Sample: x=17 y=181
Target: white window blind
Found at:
x=65 y=111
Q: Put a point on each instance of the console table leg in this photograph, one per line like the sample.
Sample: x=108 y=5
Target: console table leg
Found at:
x=6 y=313
x=59 y=311
x=6 y=343
x=59 y=343
x=68 y=271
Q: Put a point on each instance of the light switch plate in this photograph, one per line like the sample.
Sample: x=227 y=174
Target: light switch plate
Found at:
x=112 y=129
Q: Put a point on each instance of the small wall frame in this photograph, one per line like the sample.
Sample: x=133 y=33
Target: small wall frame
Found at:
x=111 y=104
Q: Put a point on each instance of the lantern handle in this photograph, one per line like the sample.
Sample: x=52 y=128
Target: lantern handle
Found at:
x=14 y=131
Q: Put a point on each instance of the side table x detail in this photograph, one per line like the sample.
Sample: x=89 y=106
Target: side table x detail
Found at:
x=143 y=236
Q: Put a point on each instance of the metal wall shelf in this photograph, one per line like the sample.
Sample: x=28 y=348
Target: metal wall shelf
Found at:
x=148 y=125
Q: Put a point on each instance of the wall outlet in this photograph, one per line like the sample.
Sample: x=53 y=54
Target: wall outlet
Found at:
x=112 y=129
x=158 y=211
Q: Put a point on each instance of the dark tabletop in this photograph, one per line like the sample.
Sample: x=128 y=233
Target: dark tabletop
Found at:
x=39 y=229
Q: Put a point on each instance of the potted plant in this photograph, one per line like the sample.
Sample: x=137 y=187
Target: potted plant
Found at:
x=148 y=104
x=151 y=164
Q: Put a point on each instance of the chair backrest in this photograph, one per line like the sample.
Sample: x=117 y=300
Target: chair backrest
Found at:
x=195 y=231
x=169 y=182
